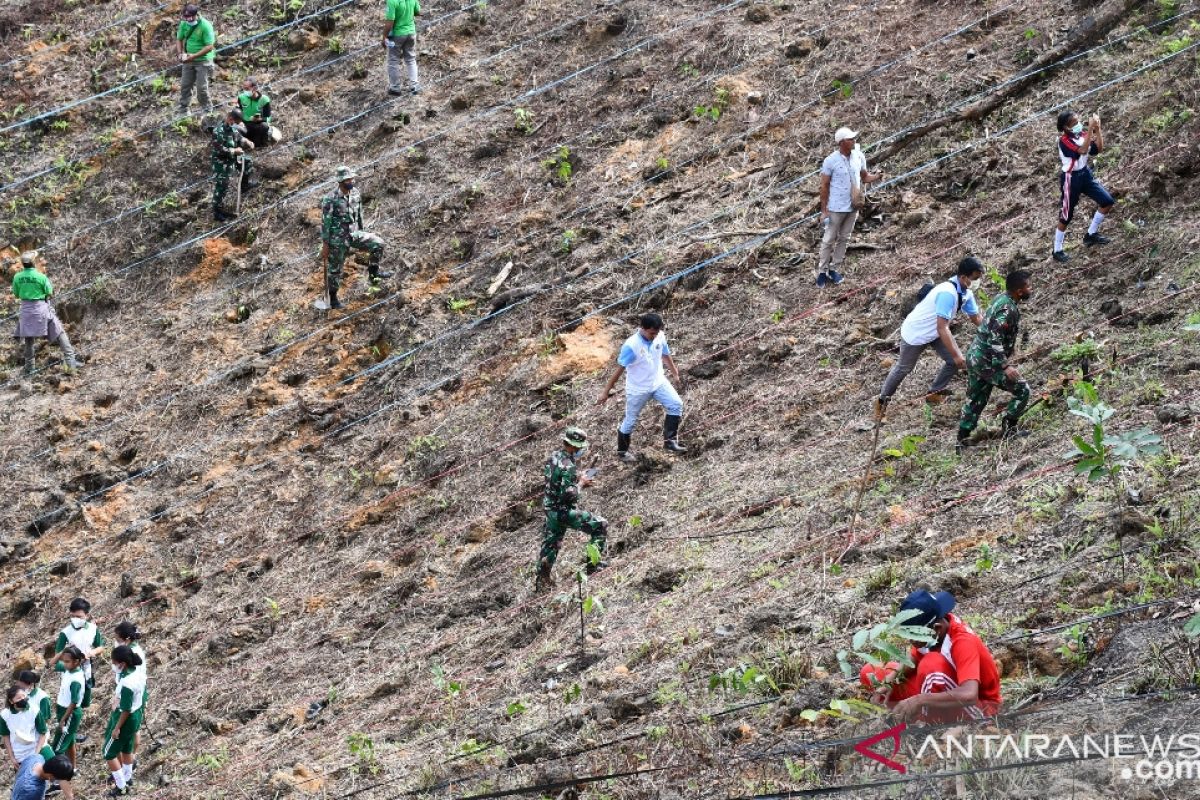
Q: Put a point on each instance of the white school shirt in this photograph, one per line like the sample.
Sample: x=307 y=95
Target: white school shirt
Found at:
x=22 y=731
x=135 y=682
x=82 y=639
x=70 y=679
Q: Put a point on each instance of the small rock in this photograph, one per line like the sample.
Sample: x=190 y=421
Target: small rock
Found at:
x=1173 y=413
x=617 y=25
x=799 y=49
x=706 y=370
x=758 y=14
x=754 y=98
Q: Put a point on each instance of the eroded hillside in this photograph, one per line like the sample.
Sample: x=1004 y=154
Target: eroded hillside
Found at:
x=326 y=524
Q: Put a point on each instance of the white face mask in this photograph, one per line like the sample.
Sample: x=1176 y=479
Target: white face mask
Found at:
x=975 y=284
x=78 y=622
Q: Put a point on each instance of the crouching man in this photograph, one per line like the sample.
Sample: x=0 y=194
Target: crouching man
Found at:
x=954 y=678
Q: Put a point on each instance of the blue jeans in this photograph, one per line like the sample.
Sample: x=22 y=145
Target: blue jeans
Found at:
x=635 y=401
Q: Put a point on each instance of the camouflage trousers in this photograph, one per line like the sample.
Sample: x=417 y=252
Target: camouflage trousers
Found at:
x=370 y=243
x=979 y=389
x=221 y=172
x=558 y=521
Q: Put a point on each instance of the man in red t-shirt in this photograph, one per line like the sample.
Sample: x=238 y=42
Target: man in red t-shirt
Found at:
x=955 y=678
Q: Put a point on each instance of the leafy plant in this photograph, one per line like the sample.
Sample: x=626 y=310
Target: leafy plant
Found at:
x=688 y=70
x=451 y=688
x=848 y=709
x=1105 y=455
x=213 y=761
x=560 y=165
x=334 y=44
x=887 y=641
x=1074 y=649
x=362 y=750
x=572 y=693
x=715 y=109
x=459 y=304
x=523 y=120
x=1086 y=350
x=567 y=242
x=1193 y=322
x=515 y=709
x=743 y=679
x=907 y=448
x=844 y=88
x=1192 y=627
x=986 y=559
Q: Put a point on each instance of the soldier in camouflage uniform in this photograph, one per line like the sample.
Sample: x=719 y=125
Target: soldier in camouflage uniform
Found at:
x=562 y=495
x=988 y=361
x=342 y=229
x=228 y=158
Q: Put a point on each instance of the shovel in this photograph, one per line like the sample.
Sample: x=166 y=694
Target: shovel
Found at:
x=237 y=208
x=322 y=303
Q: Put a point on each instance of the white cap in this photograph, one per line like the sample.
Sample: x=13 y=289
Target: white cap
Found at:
x=844 y=133
x=29 y=257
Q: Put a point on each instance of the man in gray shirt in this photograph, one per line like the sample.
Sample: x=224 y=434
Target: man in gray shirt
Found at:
x=843 y=176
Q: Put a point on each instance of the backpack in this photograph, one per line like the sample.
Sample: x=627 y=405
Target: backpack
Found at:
x=923 y=292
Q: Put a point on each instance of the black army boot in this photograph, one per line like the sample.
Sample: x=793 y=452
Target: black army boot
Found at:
x=623 y=448
x=374 y=273
x=671 y=434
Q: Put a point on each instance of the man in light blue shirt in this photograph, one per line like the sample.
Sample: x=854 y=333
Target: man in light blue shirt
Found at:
x=641 y=360
x=928 y=325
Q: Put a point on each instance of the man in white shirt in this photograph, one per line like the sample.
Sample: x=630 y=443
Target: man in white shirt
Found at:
x=641 y=361
x=928 y=325
x=843 y=176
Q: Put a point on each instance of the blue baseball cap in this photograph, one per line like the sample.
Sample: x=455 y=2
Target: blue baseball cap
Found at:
x=932 y=605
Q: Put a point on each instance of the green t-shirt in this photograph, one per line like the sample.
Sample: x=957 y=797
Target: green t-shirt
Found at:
x=29 y=284
x=196 y=37
x=251 y=107
x=401 y=12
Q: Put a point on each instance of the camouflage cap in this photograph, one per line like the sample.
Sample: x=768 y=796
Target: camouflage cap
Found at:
x=575 y=437
x=29 y=257
x=345 y=174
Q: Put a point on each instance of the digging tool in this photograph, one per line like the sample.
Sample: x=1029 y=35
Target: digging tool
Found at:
x=862 y=484
x=322 y=303
x=237 y=206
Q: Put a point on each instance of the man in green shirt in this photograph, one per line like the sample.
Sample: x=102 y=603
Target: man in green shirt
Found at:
x=255 y=106
x=988 y=360
x=37 y=319
x=197 y=44
x=400 y=41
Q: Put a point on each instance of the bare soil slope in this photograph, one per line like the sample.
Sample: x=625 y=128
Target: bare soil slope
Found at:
x=326 y=525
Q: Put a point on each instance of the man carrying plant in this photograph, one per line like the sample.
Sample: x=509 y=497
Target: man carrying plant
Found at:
x=953 y=678
x=196 y=42
x=560 y=502
x=843 y=176
x=988 y=361
x=928 y=325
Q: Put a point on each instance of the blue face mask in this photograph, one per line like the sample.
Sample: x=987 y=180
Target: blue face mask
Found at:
x=1077 y=129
